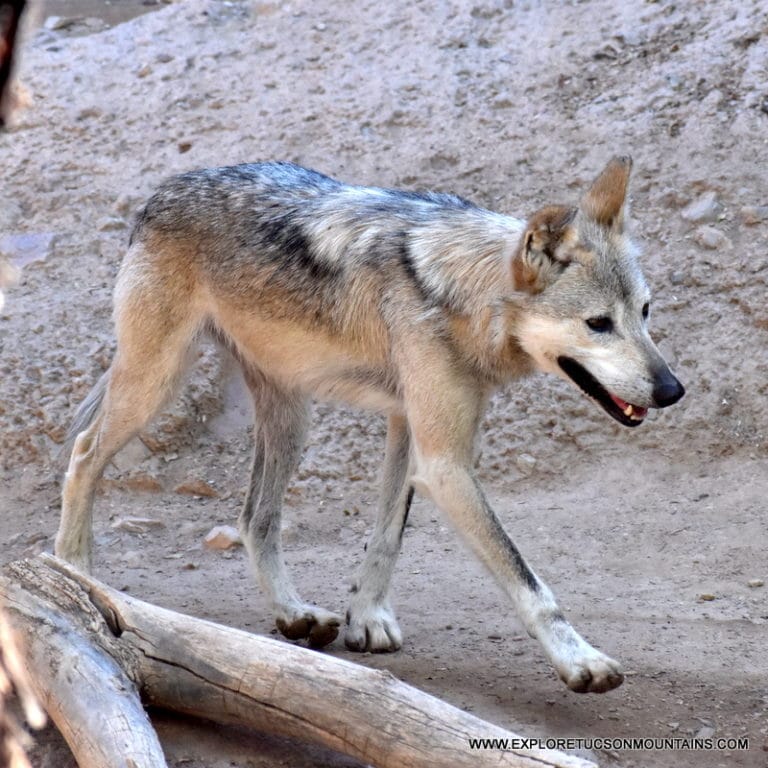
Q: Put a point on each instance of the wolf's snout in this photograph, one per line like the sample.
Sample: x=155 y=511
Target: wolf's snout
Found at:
x=667 y=391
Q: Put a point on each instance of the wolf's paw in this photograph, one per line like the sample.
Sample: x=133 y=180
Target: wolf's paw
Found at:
x=319 y=627
x=590 y=671
x=372 y=628
x=581 y=667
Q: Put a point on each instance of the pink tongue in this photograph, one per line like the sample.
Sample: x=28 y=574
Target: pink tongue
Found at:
x=619 y=402
x=638 y=411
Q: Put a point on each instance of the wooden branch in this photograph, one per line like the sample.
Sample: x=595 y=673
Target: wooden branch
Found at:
x=82 y=677
x=206 y=670
x=14 y=679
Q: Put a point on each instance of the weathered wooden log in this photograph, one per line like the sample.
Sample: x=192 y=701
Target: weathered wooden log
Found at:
x=83 y=679
x=92 y=651
x=14 y=679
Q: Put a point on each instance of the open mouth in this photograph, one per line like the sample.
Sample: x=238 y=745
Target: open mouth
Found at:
x=625 y=413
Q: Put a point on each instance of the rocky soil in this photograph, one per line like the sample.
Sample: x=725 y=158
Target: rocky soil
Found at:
x=654 y=540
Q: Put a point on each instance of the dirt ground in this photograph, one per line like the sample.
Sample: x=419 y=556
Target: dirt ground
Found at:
x=653 y=539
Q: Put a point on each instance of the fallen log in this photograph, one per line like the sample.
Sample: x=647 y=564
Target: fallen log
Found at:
x=96 y=657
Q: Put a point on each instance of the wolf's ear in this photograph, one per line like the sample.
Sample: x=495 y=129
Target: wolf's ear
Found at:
x=605 y=202
x=540 y=257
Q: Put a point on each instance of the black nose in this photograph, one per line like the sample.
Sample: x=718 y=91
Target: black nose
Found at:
x=667 y=391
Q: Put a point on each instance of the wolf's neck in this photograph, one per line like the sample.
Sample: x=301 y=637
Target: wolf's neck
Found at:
x=463 y=261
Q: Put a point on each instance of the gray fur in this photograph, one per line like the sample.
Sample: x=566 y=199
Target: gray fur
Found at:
x=85 y=414
x=312 y=234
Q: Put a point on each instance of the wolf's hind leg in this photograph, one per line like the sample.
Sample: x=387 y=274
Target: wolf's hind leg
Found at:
x=281 y=426
x=153 y=337
x=371 y=622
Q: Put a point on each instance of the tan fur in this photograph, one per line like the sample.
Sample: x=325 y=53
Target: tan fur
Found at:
x=605 y=200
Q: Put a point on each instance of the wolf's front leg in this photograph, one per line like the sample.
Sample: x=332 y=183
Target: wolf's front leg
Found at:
x=371 y=622
x=455 y=490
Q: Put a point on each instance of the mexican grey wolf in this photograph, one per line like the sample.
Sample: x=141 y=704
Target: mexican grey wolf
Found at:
x=417 y=304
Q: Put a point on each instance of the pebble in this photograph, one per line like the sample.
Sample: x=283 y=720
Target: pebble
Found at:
x=222 y=537
x=124 y=205
x=27 y=248
x=678 y=278
x=503 y=101
x=704 y=208
x=111 y=224
x=197 y=488
x=137 y=524
x=61 y=22
x=607 y=51
x=9 y=275
x=707 y=597
x=132 y=559
x=142 y=482
x=525 y=462
x=753 y=214
x=755 y=583
x=711 y=238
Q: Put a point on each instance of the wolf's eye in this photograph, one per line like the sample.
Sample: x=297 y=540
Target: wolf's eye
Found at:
x=646 y=310
x=600 y=324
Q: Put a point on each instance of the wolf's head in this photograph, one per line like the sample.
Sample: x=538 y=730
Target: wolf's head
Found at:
x=588 y=306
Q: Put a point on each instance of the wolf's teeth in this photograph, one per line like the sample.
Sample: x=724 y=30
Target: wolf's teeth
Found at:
x=629 y=410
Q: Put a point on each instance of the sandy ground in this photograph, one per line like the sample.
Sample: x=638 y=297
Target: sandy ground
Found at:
x=512 y=104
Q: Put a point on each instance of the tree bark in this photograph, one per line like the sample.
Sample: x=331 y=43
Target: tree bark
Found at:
x=95 y=653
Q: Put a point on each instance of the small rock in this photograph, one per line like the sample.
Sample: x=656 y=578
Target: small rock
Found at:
x=753 y=214
x=705 y=732
x=607 y=51
x=184 y=146
x=704 y=208
x=132 y=559
x=632 y=37
x=673 y=198
x=142 y=482
x=136 y=524
x=110 y=224
x=711 y=238
x=28 y=248
x=144 y=71
x=706 y=597
x=755 y=583
x=503 y=101
x=677 y=278
x=61 y=22
x=525 y=462
x=222 y=537
x=8 y=274
x=674 y=81
x=88 y=112
x=197 y=488
x=124 y=205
